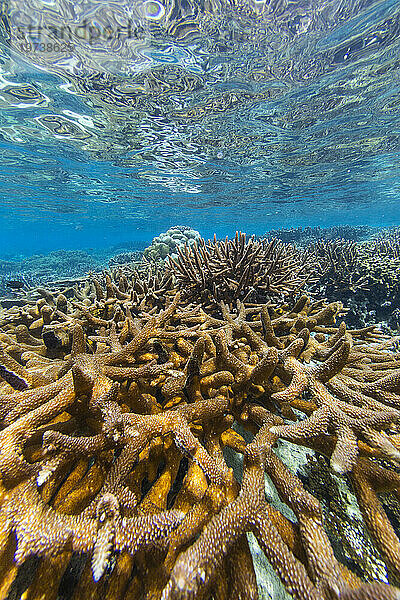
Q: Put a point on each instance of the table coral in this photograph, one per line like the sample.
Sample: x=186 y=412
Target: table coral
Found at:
x=113 y=444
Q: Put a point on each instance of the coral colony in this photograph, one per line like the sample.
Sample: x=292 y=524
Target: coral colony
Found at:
x=144 y=415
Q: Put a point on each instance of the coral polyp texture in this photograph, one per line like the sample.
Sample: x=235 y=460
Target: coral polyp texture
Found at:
x=121 y=408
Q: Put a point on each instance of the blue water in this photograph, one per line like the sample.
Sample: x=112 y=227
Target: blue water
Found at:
x=213 y=114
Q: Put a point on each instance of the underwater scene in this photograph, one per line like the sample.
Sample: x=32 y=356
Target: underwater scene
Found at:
x=200 y=300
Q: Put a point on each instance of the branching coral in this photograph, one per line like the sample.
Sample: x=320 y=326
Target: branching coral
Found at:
x=244 y=269
x=341 y=266
x=365 y=275
x=387 y=243
x=116 y=446
x=125 y=257
x=381 y=263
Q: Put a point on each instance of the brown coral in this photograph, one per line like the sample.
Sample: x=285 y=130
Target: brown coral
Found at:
x=239 y=269
x=341 y=267
x=117 y=444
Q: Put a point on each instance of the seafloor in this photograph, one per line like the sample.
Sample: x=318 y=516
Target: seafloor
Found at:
x=203 y=419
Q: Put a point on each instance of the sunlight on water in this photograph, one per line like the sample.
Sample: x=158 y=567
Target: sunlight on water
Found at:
x=121 y=119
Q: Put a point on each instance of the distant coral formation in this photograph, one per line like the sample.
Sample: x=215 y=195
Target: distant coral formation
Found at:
x=362 y=268
x=167 y=244
x=366 y=275
x=123 y=258
x=34 y=270
x=121 y=402
x=306 y=235
x=38 y=268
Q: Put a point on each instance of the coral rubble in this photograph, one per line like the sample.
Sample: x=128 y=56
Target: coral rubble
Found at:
x=120 y=402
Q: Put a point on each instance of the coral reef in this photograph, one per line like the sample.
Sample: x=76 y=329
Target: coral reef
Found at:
x=125 y=257
x=8 y=268
x=240 y=269
x=16 y=282
x=40 y=268
x=60 y=263
x=365 y=275
x=167 y=244
x=307 y=235
x=387 y=242
x=130 y=246
x=118 y=407
x=381 y=261
x=341 y=267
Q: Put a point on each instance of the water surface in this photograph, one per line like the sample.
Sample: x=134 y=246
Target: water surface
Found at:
x=119 y=120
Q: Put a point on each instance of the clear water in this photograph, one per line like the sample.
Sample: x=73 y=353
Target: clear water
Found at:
x=120 y=119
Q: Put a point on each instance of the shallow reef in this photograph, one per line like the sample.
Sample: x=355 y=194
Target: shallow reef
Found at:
x=32 y=271
x=123 y=258
x=157 y=446
x=37 y=269
x=365 y=275
x=361 y=267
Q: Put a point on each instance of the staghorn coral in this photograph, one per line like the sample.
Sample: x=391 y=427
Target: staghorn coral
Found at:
x=342 y=518
x=115 y=448
x=365 y=275
x=387 y=242
x=381 y=264
x=340 y=265
x=239 y=269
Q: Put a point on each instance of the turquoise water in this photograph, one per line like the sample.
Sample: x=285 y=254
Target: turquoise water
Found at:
x=119 y=120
